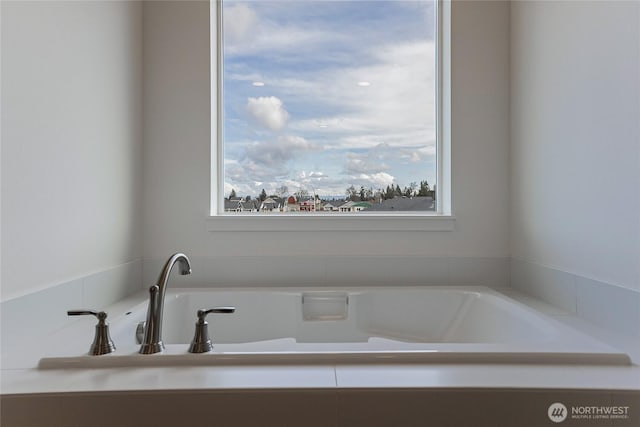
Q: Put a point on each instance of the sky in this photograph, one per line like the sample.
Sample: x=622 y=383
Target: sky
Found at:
x=322 y=95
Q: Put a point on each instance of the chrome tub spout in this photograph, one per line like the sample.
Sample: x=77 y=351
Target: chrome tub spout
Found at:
x=152 y=341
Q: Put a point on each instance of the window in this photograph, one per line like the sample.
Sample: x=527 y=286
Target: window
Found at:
x=328 y=107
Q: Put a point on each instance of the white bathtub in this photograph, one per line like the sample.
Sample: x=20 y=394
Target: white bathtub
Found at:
x=349 y=325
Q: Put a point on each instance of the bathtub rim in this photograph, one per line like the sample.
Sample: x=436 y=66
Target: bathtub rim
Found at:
x=449 y=353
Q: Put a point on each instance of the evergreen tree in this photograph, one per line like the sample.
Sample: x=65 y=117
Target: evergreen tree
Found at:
x=424 y=189
x=389 y=193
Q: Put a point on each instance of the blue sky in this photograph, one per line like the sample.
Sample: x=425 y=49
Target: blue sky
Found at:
x=321 y=95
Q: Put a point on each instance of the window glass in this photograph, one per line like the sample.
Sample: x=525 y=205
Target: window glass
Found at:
x=329 y=106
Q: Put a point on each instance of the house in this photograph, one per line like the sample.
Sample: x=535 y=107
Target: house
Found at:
x=233 y=205
x=292 y=204
x=331 y=206
x=271 y=204
x=351 y=206
x=307 y=205
x=241 y=205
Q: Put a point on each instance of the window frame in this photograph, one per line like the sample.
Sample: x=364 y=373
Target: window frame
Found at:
x=441 y=220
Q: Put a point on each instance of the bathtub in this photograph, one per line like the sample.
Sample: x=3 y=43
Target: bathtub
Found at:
x=345 y=325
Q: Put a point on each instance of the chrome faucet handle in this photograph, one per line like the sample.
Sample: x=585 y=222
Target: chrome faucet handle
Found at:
x=102 y=343
x=201 y=342
x=202 y=314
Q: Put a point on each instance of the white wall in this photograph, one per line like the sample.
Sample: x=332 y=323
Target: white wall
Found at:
x=575 y=138
x=177 y=146
x=71 y=140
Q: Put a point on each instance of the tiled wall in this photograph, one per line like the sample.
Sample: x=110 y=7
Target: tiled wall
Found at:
x=24 y=319
x=612 y=307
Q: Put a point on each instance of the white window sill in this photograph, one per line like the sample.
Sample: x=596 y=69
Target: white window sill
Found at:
x=330 y=222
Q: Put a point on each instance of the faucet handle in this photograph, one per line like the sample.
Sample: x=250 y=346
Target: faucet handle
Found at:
x=98 y=314
x=202 y=314
x=201 y=342
x=102 y=343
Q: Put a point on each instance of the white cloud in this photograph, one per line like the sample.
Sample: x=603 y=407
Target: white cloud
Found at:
x=239 y=24
x=241 y=189
x=317 y=175
x=377 y=180
x=398 y=108
x=415 y=155
x=270 y=164
x=370 y=161
x=277 y=152
x=268 y=112
x=311 y=177
x=251 y=30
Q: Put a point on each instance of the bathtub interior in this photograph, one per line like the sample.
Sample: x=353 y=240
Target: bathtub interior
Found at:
x=406 y=315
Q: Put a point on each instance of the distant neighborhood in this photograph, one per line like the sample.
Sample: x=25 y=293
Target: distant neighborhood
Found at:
x=392 y=199
x=290 y=204
x=416 y=197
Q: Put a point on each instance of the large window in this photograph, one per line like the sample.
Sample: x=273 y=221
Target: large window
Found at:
x=328 y=106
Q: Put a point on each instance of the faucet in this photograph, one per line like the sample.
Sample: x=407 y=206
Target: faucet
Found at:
x=152 y=341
